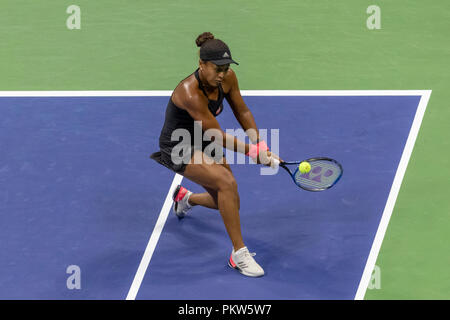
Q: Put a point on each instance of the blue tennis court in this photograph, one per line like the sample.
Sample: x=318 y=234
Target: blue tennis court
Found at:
x=77 y=188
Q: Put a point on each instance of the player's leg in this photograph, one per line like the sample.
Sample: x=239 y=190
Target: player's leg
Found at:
x=206 y=199
x=209 y=199
x=222 y=189
x=222 y=184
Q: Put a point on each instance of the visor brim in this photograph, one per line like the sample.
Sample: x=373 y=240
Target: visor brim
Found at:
x=221 y=62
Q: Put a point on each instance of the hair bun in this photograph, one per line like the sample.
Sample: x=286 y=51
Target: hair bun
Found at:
x=205 y=36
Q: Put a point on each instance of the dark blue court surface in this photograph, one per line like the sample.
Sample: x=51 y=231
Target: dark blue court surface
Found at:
x=77 y=188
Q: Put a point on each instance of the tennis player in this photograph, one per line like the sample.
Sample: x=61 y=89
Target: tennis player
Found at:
x=199 y=97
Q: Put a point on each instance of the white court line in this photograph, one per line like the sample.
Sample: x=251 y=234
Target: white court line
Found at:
x=145 y=261
x=91 y=93
x=166 y=93
x=387 y=213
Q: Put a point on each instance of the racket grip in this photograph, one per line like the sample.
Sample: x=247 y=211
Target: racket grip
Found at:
x=274 y=163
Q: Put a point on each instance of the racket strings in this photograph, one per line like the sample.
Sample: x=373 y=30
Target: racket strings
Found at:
x=322 y=175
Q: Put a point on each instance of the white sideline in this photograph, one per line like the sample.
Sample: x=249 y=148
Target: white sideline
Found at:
x=145 y=261
x=387 y=213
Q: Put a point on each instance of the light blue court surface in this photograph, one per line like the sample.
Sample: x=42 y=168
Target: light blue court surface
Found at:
x=77 y=188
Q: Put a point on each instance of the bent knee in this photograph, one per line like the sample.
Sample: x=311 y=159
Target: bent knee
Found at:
x=227 y=182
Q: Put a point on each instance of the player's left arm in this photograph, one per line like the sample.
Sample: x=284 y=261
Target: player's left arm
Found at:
x=241 y=111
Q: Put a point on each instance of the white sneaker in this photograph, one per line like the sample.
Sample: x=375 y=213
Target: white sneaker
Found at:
x=180 y=201
x=242 y=260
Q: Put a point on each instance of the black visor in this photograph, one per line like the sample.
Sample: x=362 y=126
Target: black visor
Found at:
x=217 y=52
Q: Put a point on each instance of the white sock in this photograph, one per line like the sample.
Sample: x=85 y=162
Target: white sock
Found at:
x=243 y=248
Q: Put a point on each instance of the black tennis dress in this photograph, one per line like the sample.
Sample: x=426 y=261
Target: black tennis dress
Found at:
x=177 y=118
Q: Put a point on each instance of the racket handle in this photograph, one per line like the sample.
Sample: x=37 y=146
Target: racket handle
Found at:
x=274 y=163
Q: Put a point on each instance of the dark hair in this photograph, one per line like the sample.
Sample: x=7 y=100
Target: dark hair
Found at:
x=201 y=39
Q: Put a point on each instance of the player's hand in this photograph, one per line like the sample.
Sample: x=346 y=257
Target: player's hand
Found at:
x=266 y=158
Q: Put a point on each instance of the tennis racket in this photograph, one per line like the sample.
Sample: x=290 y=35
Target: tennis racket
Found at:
x=324 y=173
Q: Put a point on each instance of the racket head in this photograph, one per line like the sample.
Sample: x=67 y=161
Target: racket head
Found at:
x=324 y=174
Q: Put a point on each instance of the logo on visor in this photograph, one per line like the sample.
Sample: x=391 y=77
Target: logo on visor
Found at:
x=225 y=55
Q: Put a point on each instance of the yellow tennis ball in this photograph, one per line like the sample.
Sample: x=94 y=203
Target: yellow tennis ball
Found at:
x=304 y=167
